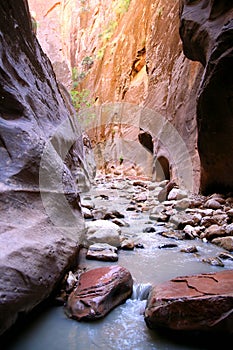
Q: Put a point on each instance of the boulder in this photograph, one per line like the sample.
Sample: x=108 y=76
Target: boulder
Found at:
x=98 y=292
x=102 y=251
x=102 y=231
x=202 y=302
x=224 y=242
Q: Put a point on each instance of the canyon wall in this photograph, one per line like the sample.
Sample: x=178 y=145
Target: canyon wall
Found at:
x=207 y=34
x=44 y=165
x=128 y=55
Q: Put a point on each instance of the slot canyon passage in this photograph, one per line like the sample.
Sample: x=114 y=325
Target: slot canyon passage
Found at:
x=116 y=185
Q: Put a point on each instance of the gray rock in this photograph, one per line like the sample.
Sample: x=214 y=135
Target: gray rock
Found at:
x=102 y=231
x=102 y=251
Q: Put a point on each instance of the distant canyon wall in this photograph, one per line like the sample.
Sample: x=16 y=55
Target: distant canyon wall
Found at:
x=131 y=52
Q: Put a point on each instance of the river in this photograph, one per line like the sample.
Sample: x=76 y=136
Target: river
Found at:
x=124 y=327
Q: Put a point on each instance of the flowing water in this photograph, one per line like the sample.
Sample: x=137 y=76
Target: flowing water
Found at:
x=124 y=327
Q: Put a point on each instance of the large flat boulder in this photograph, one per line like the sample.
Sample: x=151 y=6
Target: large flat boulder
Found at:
x=99 y=291
x=201 y=302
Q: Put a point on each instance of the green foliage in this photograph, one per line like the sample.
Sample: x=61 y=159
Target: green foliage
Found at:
x=108 y=32
x=160 y=11
x=77 y=77
x=87 y=61
x=100 y=53
x=81 y=99
x=121 y=6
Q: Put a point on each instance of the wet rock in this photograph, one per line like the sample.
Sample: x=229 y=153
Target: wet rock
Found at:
x=181 y=220
x=149 y=229
x=127 y=244
x=179 y=235
x=190 y=231
x=191 y=249
x=142 y=197
x=121 y=223
x=201 y=302
x=213 y=231
x=182 y=204
x=225 y=256
x=177 y=194
x=215 y=261
x=167 y=245
x=87 y=204
x=230 y=213
x=102 y=231
x=161 y=217
x=98 y=292
x=163 y=194
x=102 y=251
x=224 y=242
x=70 y=281
x=213 y=204
x=229 y=230
x=139 y=245
x=99 y=213
x=87 y=213
x=113 y=214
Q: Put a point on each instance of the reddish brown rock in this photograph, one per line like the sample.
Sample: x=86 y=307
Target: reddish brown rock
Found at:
x=99 y=291
x=201 y=302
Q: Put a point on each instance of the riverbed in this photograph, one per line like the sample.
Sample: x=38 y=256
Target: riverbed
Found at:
x=124 y=327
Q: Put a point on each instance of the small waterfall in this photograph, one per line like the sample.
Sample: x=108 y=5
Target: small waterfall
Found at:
x=141 y=291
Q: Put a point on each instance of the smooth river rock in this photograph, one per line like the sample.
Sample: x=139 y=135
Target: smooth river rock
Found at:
x=99 y=291
x=102 y=231
x=201 y=302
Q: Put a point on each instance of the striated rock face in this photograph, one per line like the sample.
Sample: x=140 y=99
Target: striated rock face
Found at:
x=42 y=159
x=207 y=32
x=200 y=302
x=126 y=56
x=99 y=291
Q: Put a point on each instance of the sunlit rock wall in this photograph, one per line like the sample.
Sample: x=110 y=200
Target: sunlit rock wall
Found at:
x=130 y=52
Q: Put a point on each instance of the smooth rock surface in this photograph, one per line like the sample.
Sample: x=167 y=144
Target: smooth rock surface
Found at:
x=102 y=231
x=99 y=291
x=102 y=251
x=201 y=302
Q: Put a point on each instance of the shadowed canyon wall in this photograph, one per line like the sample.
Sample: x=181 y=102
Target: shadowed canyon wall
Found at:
x=207 y=34
x=43 y=166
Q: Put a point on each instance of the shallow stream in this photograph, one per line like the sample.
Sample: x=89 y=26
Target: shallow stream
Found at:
x=124 y=327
